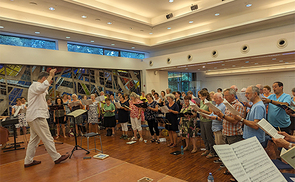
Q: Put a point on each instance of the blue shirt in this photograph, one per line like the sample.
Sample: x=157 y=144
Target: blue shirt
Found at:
x=277 y=116
x=217 y=125
x=257 y=111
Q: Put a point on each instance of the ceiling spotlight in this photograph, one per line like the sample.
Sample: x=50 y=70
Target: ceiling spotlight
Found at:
x=151 y=33
x=132 y=47
x=52 y=8
x=191 y=22
x=84 y=16
x=256 y=63
x=222 y=64
x=274 y=59
x=198 y=69
x=112 y=44
x=247 y=62
x=216 y=14
x=234 y=65
x=204 y=66
x=1 y=27
x=169 y=28
x=248 y=5
x=186 y=68
x=92 y=41
x=281 y=61
x=109 y=23
x=286 y=62
x=194 y=7
x=169 y=16
x=171 y=1
x=37 y=32
x=68 y=37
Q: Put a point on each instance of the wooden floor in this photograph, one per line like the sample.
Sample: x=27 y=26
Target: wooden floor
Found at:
x=126 y=163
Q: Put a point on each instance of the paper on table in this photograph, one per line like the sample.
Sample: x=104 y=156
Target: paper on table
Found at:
x=118 y=105
x=242 y=97
x=86 y=102
x=289 y=156
x=230 y=107
x=194 y=106
x=212 y=107
x=269 y=129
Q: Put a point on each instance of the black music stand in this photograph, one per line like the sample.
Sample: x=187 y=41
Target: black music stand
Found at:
x=15 y=145
x=74 y=115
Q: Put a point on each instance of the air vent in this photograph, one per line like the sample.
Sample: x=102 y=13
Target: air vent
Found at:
x=282 y=43
x=151 y=63
x=189 y=57
x=214 y=53
x=168 y=60
x=245 y=49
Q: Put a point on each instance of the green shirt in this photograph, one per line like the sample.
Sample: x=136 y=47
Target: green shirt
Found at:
x=110 y=108
x=206 y=108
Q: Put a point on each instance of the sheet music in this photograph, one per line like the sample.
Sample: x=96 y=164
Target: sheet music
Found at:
x=248 y=161
x=164 y=109
x=86 y=102
x=206 y=115
x=197 y=100
x=230 y=160
x=76 y=103
x=289 y=156
x=118 y=105
x=269 y=129
x=242 y=97
x=255 y=161
x=77 y=113
x=100 y=98
x=17 y=111
x=230 y=107
x=194 y=106
x=212 y=107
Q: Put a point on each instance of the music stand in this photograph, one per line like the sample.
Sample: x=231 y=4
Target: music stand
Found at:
x=74 y=115
x=15 y=145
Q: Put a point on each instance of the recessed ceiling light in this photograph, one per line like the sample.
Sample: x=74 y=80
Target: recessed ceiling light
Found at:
x=222 y=64
x=170 y=1
x=131 y=28
x=92 y=41
x=281 y=61
x=191 y=22
x=209 y=70
x=247 y=62
x=248 y=5
x=215 y=67
x=37 y=32
x=286 y=62
x=234 y=65
x=84 y=16
x=204 y=66
x=198 y=69
x=109 y=23
x=274 y=59
x=217 y=14
x=186 y=68
x=52 y=8
x=169 y=28
x=256 y=63
x=1 y=27
x=151 y=33
x=132 y=47
x=112 y=44
x=68 y=37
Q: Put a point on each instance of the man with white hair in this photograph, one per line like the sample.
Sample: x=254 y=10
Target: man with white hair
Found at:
x=217 y=121
x=256 y=113
x=260 y=86
x=36 y=115
x=234 y=87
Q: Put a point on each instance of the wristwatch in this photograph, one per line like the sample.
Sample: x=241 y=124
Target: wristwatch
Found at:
x=242 y=120
x=223 y=116
x=270 y=101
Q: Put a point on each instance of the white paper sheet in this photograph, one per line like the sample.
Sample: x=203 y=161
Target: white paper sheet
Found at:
x=230 y=107
x=242 y=97
x=269 y=129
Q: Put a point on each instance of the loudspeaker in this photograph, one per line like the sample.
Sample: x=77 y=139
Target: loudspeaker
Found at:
x=194 y=7
x=169 y=16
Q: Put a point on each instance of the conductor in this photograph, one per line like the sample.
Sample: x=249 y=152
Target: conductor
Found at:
x=37 y=113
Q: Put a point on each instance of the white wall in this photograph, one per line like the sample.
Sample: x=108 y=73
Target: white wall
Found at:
x=63 y=58
x=241 y=81
x=158 y=81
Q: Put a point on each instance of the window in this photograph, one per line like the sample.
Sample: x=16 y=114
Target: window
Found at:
x=134 y=55
x=27 y=42
x=84 y=49
x=178 y=81
x=90 y=49
x=108 y=52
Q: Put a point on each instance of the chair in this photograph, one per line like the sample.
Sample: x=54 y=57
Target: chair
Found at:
x=83 y=132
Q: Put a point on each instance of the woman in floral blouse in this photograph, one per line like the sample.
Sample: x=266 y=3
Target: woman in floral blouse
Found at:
x=135 y=116
x=188 y=124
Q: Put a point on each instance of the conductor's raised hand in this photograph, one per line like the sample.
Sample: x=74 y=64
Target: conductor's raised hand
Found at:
x=52 y=72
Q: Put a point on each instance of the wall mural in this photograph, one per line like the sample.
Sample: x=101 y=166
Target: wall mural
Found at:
x=16 y=79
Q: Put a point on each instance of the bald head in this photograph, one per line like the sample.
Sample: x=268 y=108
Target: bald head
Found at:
x=234 y=87
x=218 y=98
x=260 y=86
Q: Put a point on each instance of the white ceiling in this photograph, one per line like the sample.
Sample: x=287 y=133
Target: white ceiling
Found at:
x=134 y=20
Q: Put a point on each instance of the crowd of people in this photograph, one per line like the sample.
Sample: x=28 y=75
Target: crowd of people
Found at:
x=185 y=114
